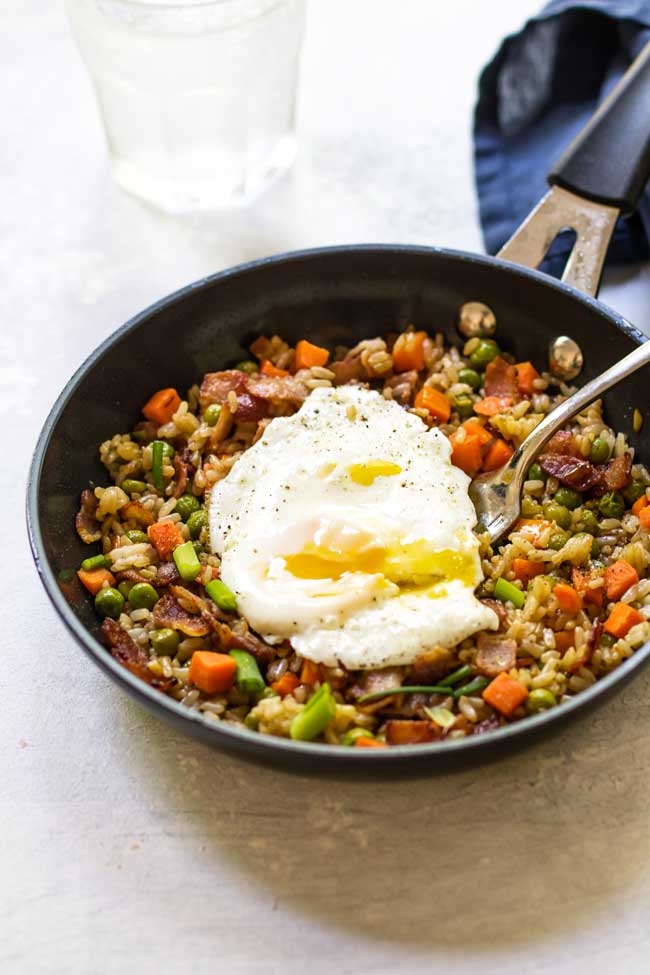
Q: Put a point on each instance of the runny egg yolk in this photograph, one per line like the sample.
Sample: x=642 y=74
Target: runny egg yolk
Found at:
x=367 y=472
x=335 y=550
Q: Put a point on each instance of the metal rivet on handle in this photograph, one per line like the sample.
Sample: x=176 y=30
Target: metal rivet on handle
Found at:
x=476 y=320
x=565 y=358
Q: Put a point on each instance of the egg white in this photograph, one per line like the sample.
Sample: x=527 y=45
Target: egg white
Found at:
x=347 y=530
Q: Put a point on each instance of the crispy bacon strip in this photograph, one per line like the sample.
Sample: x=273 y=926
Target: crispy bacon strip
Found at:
x=168 y=613
x=183 y=469
x=431 y=665
x=252 y=392
x=497 y=607
x=228 y=639
x=88 y=528
x=131 y=656
x=167 y=574
x=501 y=379
x=577 y=472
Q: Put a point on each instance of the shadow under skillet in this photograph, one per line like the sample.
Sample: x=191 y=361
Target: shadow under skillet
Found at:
x=511 y=853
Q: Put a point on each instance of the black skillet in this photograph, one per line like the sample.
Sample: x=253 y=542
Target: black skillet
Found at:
x=340 y=295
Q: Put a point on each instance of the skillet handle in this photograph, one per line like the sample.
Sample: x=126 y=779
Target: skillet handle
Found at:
x=609 y=160
x=591 y=185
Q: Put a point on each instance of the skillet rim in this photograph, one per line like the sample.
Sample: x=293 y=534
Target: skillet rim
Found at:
x=267 y=748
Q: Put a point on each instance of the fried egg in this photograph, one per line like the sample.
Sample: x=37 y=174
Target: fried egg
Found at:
x=347 y=530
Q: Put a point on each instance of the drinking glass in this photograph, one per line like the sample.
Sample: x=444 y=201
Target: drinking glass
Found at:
x=196 y=96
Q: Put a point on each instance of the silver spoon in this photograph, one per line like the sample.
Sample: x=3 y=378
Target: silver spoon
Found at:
x=497 y=496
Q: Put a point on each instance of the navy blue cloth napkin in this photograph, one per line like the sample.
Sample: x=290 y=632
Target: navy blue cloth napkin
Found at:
x=535 y=95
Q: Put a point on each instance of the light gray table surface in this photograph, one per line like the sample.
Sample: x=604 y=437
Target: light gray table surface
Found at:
x=128 y=847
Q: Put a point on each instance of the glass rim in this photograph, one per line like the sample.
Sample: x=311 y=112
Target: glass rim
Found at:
x=182 y=4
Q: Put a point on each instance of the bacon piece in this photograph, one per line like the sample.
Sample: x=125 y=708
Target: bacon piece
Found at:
x=286 y=388
x=431 y=665
x=131 y=575
x=347 y=369
x=228 y=639
x=183 y=469
x=167 y=574
x=136 y=511
x=88 y=528
x=169 y=613
x=577 y=472
x=403 y=386
x=372 y=681
x=131 y=656
x=252 y=392
x=497 y=607
x=501 y=379
x=188 y=600
x=411 y=732
x=495 y=654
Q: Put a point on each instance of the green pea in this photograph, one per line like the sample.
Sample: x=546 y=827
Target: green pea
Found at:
x=164 y=642
x=558 y=540
x=557 y=513
x=350 y=737
x=463 y=405
x=143 y=596
x=540 y=700
x=608 y=640
x=132 y=486
x=136 y=536
x=567 y=497
x=125 y=588
x=211 y=414
x=251 y=721
x=484 y=353
x=195 y=523
x=611 y=505
x=588 y=521
x=187 y=505
x=530 y=508
x=247 y=365
x=109 y=602
x=470 y=377
x=599 y=451
x=536 y=473
x=634 y=491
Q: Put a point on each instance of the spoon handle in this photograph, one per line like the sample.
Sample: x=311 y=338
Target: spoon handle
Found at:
x=553 y=421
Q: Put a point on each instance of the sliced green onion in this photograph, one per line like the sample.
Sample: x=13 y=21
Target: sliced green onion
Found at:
x=507 y=593
x=474 y=687
x=95 y=562
x=187 y=561
x=224 y=597
x=315 y=716
x=248 y=678
x=457 y=675
x=443 y=717
x=411 y=689
x=157 y=450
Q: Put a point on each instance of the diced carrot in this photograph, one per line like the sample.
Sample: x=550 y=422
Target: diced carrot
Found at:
x=162 y=406
x=286 y=684
x=369 y=743
x=261 y=347
x=310 y=673
x=644 y=518
x=564 y=639
x=535 y=530
x=569 y=599
x=411 y=732
x=408 y=352
x=498 y=454
x=268 y=369
x=476 y=429
x=308 y=355
x=491 y=405
x=639 y=505
x=618 y=578
x=212 y=672
x=525 y=570
x=621 y=620
x=165 y=536
x=435 y=402
x=94 y=579
x=526 y=374
x=505 y=694
x=466 y=453
x=581 y=579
